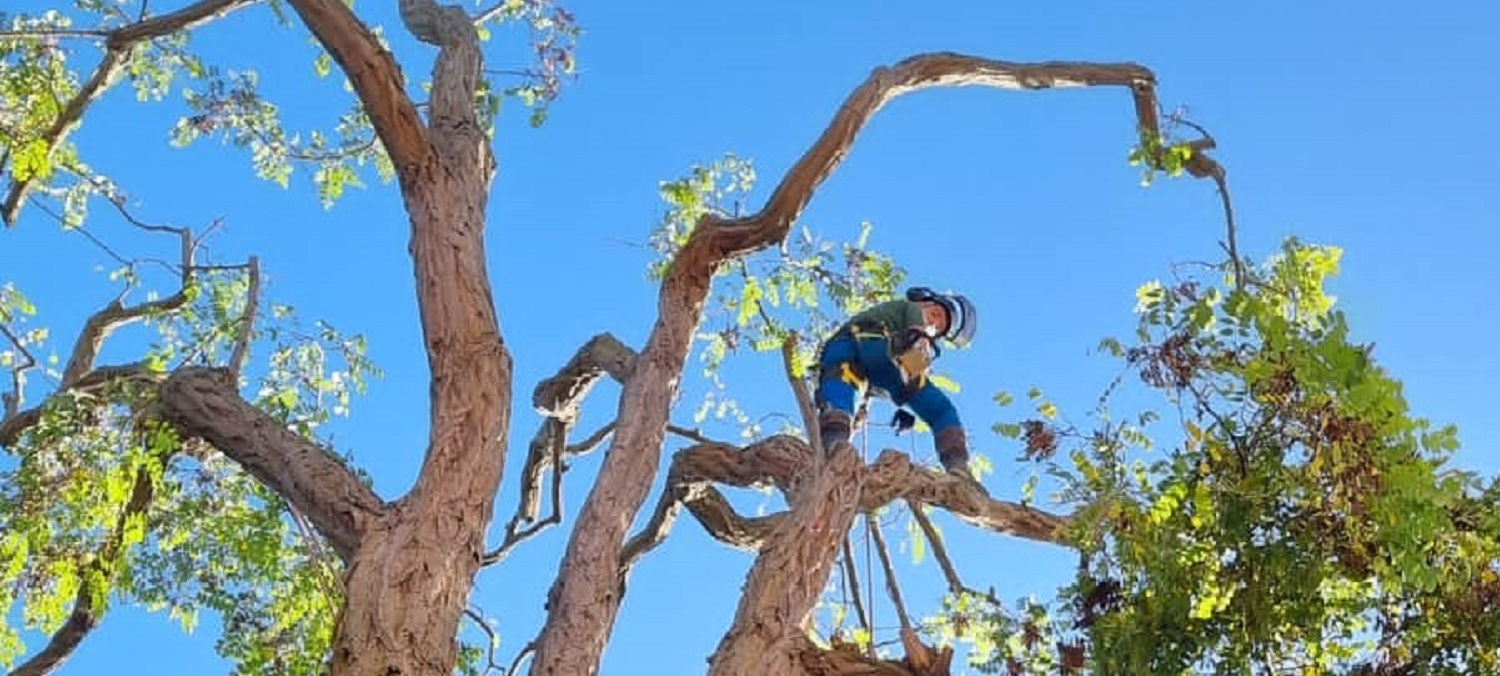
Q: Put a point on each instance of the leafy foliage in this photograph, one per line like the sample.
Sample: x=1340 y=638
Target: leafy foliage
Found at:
x=104 y=504
x=1305 y=520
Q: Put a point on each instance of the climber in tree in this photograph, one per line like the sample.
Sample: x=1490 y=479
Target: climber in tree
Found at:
x=887 y=350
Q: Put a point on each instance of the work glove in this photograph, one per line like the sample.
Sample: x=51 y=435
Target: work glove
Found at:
x=903 y=420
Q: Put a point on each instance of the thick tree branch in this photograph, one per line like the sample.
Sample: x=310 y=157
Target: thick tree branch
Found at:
x=375 y=75
x=560 y=395
x=117 y=46
x=773 y=221
x=690 y=483
x=203 y=403
x=778 y=460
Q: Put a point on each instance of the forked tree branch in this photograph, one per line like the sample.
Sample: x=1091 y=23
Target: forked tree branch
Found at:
x=559 y=398
x=118 y=44
x=780 y=459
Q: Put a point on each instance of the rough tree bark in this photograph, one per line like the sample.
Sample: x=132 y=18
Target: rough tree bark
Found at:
x=584 y=600
x=411 y=563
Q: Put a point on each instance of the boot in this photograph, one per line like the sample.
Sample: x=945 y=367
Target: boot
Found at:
x=953 y=450
x=834 y=428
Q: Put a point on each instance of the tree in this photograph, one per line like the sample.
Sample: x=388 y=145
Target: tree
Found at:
x=113 y=442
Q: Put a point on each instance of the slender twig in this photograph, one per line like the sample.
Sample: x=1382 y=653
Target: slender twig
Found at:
x=804 y=400
x=526 y=651
x=90 y=237
x=16 y=396
x=690 y=434
x=851 y=576
x=514 y=535
x=38 y=34
x=489 y=631
x=939 y=550
x=890 y=570
x=591 y=442
x=247 y=321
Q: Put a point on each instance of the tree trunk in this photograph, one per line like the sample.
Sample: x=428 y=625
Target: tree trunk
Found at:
x=409 y=581
x=766 y=638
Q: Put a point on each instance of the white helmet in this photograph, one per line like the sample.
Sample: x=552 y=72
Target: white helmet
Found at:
x=963 y=317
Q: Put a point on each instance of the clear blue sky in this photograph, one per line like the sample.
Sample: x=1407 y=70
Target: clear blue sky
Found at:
x=1369 y=126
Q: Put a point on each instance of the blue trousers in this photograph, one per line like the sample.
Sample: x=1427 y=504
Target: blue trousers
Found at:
x=851 y=368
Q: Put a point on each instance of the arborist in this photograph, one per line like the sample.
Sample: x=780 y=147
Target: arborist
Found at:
x=887 y=350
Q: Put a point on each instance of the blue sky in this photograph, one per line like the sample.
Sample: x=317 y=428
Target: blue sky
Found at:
x=1367 y=126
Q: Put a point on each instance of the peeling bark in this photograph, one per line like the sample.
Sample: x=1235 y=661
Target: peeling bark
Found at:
x=778 y=460
x=410 y=578
x=789 y=574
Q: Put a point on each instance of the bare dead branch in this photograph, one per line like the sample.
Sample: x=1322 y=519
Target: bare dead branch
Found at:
x=772 y=222
x=204 y=403
x=376 y=78
x=939 y=550
x=491 y=665
x=892 y=587
x=851 y=579
x=118 y=44
x=115 y=315
x=247 y=321
x=559 y=398
x=515 y=533
x=13 y=399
